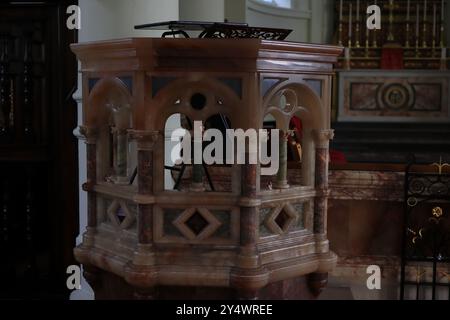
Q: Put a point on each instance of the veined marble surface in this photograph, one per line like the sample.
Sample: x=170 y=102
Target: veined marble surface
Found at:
x=366 y=185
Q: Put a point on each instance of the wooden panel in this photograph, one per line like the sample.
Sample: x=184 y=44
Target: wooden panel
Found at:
x=37 y=151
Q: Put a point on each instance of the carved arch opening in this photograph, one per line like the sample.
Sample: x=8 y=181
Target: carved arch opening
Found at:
x=198 y=99
x=109 y=112
x=177 y=106
x=298 y=112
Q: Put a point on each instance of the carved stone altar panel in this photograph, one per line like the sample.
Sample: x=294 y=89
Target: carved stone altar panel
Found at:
x=387 y=96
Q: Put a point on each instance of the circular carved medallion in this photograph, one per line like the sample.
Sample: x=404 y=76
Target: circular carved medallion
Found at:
x=396 y=96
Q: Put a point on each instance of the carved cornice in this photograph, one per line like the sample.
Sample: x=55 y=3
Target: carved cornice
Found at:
x=146 y=140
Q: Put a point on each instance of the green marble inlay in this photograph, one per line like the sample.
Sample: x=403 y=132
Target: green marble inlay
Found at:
x=169 y=216
x=133 y=208
x=263 y=213
x=300 y=209
x=224 y=217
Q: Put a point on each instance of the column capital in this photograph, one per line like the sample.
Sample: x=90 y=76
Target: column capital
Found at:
x=322 y=137
x=145 y=139
x=88 y=134
x=119 y=131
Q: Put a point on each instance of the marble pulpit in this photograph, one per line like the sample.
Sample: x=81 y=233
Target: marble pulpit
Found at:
x=252 y=239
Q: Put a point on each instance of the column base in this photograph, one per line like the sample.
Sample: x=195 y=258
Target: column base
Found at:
x=197 y=187
x=281 y=185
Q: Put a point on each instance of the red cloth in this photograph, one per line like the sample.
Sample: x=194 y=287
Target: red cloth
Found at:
x=392 y=58
x=297 y=124
x=337 y=157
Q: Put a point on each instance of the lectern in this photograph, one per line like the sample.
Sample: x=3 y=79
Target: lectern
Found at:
x=250 y=239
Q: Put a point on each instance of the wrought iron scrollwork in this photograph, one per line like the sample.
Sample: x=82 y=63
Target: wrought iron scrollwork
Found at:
x=426 y=241
x=217 y=30
x=221 y=31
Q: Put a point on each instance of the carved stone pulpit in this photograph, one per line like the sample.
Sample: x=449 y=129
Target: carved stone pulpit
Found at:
x=151 y=238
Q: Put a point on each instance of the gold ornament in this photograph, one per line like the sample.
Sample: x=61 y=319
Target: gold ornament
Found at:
x=437 y=212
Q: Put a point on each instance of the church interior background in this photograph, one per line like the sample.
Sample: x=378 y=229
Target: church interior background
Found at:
x=86 y=178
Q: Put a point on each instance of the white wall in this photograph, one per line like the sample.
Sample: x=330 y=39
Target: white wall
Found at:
x=213 y=10
x=263 y=15
x=310 y=20
x=112 y=19
x=235 y=10
x=97 y=20
x=202 y=10
x=134 y=12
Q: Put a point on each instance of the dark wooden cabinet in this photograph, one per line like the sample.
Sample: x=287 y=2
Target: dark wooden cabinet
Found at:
x=38 y=153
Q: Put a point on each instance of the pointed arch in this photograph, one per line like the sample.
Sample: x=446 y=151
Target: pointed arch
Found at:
x=109 y=112
x=108 y=95
x=302 y=101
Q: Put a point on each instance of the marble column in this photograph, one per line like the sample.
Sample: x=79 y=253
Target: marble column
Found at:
x=249 y=227
x=144 y=257
x=322 y=140
x=120 y=155
x=318 y=281
x=248 y=258
x=146 y=141
x=90 y=135
x=281 y=182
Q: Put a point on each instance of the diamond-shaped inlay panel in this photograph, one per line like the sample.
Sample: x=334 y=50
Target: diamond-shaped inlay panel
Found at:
x=281 y=218
x=197 y=223
x=120 y=215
